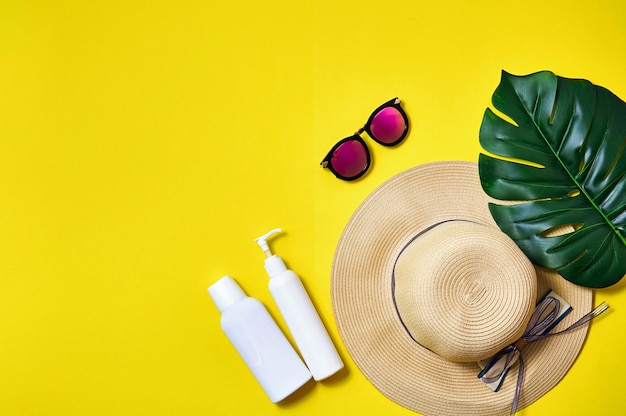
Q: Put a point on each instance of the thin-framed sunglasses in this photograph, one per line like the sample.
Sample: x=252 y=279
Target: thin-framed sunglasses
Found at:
x=350 y=158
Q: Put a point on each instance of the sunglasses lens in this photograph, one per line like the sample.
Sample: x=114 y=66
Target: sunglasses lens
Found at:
x=388 y=125
x=350 y=159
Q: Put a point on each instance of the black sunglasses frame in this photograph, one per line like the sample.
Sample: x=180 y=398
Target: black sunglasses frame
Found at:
x=327 y=161
x=395 y=103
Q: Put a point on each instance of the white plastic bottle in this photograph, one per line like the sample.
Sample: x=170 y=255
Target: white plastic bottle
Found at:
x=303 y=321
x=259 y=341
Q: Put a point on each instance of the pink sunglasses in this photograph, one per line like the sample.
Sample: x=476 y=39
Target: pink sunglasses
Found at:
x=349 y=159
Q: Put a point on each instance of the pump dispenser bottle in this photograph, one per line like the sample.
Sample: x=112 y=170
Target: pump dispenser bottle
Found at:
x=259 y=341
x=302 y=319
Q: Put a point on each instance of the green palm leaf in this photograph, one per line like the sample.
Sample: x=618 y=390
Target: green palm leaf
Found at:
x=565 y=165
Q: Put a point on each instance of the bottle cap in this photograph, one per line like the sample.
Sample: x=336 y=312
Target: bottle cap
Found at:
x=262 y=241
x=274 y=265
x=225 y=292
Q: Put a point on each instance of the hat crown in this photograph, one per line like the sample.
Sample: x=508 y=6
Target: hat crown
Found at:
x=464 y=290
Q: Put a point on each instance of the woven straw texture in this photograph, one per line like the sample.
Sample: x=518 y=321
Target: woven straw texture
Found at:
x=452 y=280
x=401 y=369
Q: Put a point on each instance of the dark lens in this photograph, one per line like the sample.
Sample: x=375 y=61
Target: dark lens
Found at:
x=350 y=159
x=388 y=125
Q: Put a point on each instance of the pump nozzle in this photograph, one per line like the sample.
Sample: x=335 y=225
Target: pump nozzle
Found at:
x=262 y=241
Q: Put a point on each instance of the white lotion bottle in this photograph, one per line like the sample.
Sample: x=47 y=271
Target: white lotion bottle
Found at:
x=260 y=342
x=302 y=319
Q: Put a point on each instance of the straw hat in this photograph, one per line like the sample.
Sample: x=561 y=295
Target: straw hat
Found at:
x=424 y=285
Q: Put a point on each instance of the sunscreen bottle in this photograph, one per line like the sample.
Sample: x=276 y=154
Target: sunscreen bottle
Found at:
x=302 y=319
x=259 y=341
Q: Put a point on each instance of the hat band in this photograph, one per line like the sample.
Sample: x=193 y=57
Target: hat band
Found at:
x=546 y=315
x=393 y=271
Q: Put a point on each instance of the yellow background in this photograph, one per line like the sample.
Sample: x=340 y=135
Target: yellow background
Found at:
x=145 y=143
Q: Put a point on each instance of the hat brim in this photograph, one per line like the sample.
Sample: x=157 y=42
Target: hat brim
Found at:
x=400 y=368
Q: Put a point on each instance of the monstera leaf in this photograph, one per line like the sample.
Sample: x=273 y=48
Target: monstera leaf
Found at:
x=559 y=160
